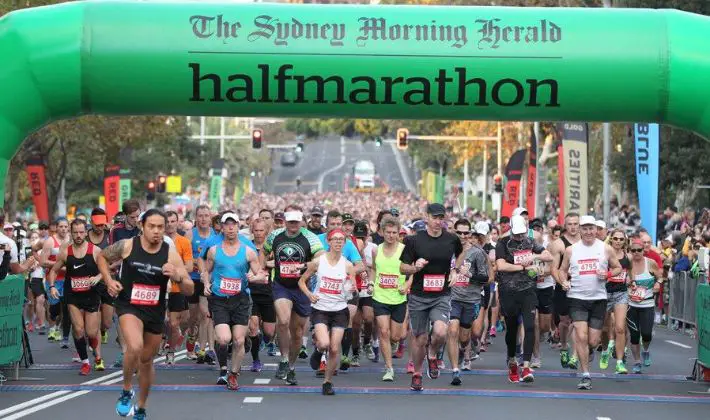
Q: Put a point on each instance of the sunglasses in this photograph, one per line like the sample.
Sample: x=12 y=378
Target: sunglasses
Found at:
x=636 y=250
x=617 y=239
x=458 y=232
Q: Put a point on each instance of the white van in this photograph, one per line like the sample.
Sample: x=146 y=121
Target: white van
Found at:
x=364 y=174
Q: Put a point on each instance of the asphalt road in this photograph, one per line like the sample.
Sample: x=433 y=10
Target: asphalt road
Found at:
x=187 y=391
x=326 y=162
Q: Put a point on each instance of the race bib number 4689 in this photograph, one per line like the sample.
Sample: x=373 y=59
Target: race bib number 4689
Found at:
x=145 y=295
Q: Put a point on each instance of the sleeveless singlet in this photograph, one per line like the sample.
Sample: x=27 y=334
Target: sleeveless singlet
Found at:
x=198 y=244
x=104 y=242
x=388 y=277
x=80 y=271
x=332 y=285
x=229 y=277
x=53 y=258
x=584 y=264
x=143 y=281
x=617 y=283
x=642 y=295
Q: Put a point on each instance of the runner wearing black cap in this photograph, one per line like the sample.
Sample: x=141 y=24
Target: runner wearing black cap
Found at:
x=315 y=223
x=427 y=256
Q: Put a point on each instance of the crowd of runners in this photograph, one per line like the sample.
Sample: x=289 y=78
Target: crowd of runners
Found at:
x=338 y=281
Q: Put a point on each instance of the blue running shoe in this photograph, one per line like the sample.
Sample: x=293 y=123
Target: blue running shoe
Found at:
x=646 y=356
x=119 y=361
x=140 y=414
x=271 y=349
x=124 y=405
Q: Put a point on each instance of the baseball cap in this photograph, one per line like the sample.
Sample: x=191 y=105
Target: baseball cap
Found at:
x=536 y=223
x=519 y=211
x=317 y=211
x=517 y=225
x=293 y=216
x=8 y=226
x=587 y=220
x=482 y=228
x=436 y=209
x=279 y=216
x=360 y=229
x=600 y=224
x=418 y=226
x=229 y=215
x=347 y=217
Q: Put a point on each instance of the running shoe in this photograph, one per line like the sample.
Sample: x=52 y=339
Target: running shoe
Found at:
x=222 y=380
x=211 y=357
x=389 y=375
x=573 y=363
x=466 y=365
x=432 y=370
x=30 y=327
x=170 y=358
x=118 y=363
x=410 y=367
x=139 y=414
x=85 y=369
x=291 y=377
x=321 y=369
x=355 y=360
x=344 y=363
x=638 y=368
x=42 y=329
x=201 y=357
x=513 y=374
x=440 y=363
x=499 y=326
x=282 y=370
x=527 y=375
x=564 y=358
x=376 y=351
x=124 y=405
x=621 y=368
x=400 y=351
x=271 y=349
x=104 y=337
x=536 y=363
x=232 y=381
x=456 y=378
x=369 y=351
x=327 y=389
x=646 y=356
x=303 y=354
x=99 y=365
x=417 y=383
x=75 y=358
x=257 y=366
x=604 y=360
x=65 y=343
x=585 y=382
x=315 y=359
x=50 y=334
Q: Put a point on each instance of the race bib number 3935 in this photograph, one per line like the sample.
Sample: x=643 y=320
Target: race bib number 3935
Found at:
x=145 y=295
x=230 y=286
x=434 y=282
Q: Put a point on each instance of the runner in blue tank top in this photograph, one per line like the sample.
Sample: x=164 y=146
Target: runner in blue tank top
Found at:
x=231 y=266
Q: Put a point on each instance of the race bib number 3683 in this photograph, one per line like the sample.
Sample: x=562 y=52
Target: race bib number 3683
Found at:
x=434 y=282
x=145 y=295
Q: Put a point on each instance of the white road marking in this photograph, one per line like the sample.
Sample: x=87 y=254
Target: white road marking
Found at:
x=675 y=343
x=603 y=418
x=262 y=381
x=40 y=403
x=270 y=364
x=321 y=178
x=253 y=400
x=400 y=164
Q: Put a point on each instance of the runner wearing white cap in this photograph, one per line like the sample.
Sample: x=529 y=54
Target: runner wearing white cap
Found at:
x=601 y=229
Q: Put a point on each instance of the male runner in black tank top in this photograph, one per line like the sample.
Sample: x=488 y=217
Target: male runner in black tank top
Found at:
x=557 y=248
x=82 y=275
x=99 y=236
x=147 y=265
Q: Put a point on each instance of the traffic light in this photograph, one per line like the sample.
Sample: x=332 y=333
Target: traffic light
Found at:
x=150 y=191
x=257 y=136
x=162 y=181
x=497 y=183
x=378 y=141
x=402 y=134
x=300 y=147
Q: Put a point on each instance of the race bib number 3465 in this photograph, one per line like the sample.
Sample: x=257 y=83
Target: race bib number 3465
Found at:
x=145 y=295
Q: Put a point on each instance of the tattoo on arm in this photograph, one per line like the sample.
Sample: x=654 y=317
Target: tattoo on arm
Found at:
x=114 y=252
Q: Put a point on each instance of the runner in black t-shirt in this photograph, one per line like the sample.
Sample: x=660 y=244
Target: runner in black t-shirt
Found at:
x=427 y=257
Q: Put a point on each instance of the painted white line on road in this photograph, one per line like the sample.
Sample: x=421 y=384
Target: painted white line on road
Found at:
x=262 y=381
x=603 y=418
x=400 y=164
x=675 y=343
x=253 y=400
x=41 y=403
x=321 y=178
x=270 y=364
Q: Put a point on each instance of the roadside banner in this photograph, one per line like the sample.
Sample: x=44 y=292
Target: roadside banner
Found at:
x=11 y=328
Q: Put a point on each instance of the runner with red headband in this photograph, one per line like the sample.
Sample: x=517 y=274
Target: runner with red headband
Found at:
x=99 y=237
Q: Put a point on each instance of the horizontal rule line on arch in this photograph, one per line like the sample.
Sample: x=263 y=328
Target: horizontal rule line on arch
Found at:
x=514 y=57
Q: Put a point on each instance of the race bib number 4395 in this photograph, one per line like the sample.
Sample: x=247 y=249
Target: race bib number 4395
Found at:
x=434 y=282
x=230 y=286
x=145 y=295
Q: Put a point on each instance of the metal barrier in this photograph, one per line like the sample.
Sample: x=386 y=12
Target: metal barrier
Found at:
x=681 y=304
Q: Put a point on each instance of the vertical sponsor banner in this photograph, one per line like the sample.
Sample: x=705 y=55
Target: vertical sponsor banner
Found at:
x=702 y=316
x=575 y=139
x=532 y=175
x=216 y=183
x=38 y=186
x=513 y=174
x=560 y=185
x=112 y=179
x=12 y=296
x=124 y=187
x=647 y=155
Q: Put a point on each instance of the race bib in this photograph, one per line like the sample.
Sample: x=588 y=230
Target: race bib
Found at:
x=619 y=278
x=588 y=267
x=230 y=286
x=80 y=284
x=330 y=286
x=434 y=282
x=461 y=280
x=638 y=294
x=523 y=257
x=145 y=295
x=388 y=281
x=290 y=270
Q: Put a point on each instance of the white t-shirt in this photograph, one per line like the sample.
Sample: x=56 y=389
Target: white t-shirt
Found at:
x=13 y=247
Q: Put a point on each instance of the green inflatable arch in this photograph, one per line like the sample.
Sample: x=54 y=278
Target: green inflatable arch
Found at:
x=473 y=63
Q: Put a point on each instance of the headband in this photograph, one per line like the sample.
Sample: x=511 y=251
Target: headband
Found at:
x=335 y=231
x=99 y=219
